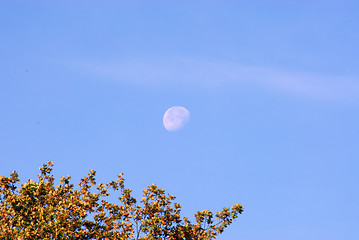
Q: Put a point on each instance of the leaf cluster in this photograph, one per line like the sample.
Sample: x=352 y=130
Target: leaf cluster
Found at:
x=43 y=210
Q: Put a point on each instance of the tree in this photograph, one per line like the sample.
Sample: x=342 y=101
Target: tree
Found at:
x=41 y=210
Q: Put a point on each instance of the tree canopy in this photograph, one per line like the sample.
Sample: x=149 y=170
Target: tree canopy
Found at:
x=43 y=210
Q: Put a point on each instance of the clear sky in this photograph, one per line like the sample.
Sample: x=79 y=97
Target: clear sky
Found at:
x=272 y=88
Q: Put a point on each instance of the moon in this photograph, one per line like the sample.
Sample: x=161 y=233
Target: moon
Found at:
x=175 y=118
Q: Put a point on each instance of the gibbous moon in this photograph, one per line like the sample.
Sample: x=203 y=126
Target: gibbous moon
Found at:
x=175 y=118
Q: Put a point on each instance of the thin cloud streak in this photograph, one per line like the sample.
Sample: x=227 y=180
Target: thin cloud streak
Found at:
x=211 y=74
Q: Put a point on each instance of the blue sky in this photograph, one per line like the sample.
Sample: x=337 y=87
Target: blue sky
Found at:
x=272 y=87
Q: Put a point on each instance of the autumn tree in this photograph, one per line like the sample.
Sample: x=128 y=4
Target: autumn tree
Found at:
x=43 y=210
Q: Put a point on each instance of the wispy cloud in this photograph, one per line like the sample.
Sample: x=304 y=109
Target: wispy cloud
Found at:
x=210 y=74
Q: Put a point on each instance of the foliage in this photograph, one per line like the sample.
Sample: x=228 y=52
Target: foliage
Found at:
x=41 y=210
